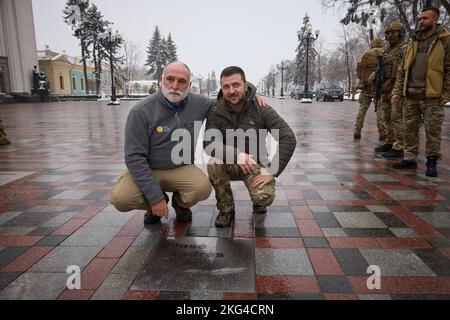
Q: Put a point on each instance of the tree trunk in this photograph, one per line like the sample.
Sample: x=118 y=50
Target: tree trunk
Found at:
x=404 y=18
x=94 y=54
x=83 y=54
x=446 y=5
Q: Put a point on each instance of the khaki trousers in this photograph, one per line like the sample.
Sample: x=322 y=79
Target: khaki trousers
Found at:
x=188 y=183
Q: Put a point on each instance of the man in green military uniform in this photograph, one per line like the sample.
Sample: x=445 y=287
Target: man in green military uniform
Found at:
x=392 y=113
x=424 y=79
x=3 y=138
x=239 y=128
x=365 y=68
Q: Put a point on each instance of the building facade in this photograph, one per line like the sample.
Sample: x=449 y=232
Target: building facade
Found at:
x=66 y=76
x=17 y=46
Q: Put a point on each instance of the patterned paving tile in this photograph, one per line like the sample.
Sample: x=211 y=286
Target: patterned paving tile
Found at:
x=397 y=262
x=283 y=262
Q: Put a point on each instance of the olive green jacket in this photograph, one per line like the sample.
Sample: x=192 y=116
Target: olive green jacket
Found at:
x=438 y=67
x=252 y=116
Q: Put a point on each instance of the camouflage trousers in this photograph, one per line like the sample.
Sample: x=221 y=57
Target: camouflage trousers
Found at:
x=393 y=121
x=432 y=113
x=364 y=104
x=220 y=176
x=2 y=130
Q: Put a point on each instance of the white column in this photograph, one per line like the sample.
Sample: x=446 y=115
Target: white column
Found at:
x=20 y=41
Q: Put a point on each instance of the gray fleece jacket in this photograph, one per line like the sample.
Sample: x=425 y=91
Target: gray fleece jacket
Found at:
x=148 y=133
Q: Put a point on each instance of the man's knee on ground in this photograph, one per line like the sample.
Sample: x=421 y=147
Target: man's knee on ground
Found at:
x=263 y=199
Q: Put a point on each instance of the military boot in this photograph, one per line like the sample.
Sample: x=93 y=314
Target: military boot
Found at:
x=393 y=153
x=404 y=164
x=259 y=209
x=183 y=214
x=225 y=219
x=384 y=148
x=431 y=166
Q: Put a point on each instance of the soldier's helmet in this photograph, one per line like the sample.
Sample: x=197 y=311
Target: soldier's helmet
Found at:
x=396 y=26
x=377 y=43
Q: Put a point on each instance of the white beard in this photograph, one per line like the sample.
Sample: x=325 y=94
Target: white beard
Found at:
x=174 y=98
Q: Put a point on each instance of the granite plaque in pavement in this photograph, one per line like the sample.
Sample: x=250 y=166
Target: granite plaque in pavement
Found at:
x=199 y=264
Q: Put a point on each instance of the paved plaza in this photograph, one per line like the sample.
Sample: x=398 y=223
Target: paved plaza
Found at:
x=339 y=209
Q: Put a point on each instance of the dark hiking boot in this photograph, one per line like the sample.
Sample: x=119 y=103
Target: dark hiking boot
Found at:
x=431 y=166
x=357 y=136
x=225 y=219
x=183 y=214
x=393 y=153
x=383 y=148
x=259 y=209
x=404 y=164
x=150 y=218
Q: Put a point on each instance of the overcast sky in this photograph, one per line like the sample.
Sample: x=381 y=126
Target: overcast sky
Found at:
x=209 y=34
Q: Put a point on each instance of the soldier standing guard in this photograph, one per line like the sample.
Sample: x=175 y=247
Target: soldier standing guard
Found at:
x=424 y=79
x=365 y=68
x=392 y=113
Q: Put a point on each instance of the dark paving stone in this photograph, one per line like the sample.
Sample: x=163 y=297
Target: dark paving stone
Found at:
x=100 y=178
x=8 y=255
x=43 y=231
x=326 y=220
x=420 y=297
x=390 y=220
x=362 y=195
x=437 y=262
x=297 y=202
x=369 y=233
x=199 y=264
x=316 y=242
x=198 y=231
x=444 y=231
x=352 y=262
x=279 y=296
x=49 y=194
x=428 y=209
x=30 y=219
x=75 y=208
x=277 y=232
x=348 y=209
x=439 y=242
x=389 y=203
x=278 y=209
x=171 y=295
x=51 y=241
x=97 y=195
x=6 y=278
x=334 y=284
x=311 y=195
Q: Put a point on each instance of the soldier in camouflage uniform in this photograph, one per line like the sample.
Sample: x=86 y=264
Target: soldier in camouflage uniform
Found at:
x=365 y=98
x=392 y=114
x=3 y=138
x=236 y=112
x=424 y=79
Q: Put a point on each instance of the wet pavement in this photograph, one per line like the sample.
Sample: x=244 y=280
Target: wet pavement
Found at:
x=339 y=209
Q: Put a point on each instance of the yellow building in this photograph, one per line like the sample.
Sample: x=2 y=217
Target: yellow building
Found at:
x=66 y=77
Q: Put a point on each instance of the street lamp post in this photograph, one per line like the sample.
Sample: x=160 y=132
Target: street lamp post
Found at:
x=309 y=36
x=108 y=34
x=282 y=68
x=273 y=83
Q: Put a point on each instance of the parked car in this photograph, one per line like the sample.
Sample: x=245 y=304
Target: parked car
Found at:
x=329 y=91
x=298 y=92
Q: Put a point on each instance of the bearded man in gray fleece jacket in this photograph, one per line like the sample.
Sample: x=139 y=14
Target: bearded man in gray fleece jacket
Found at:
x=152 y=171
